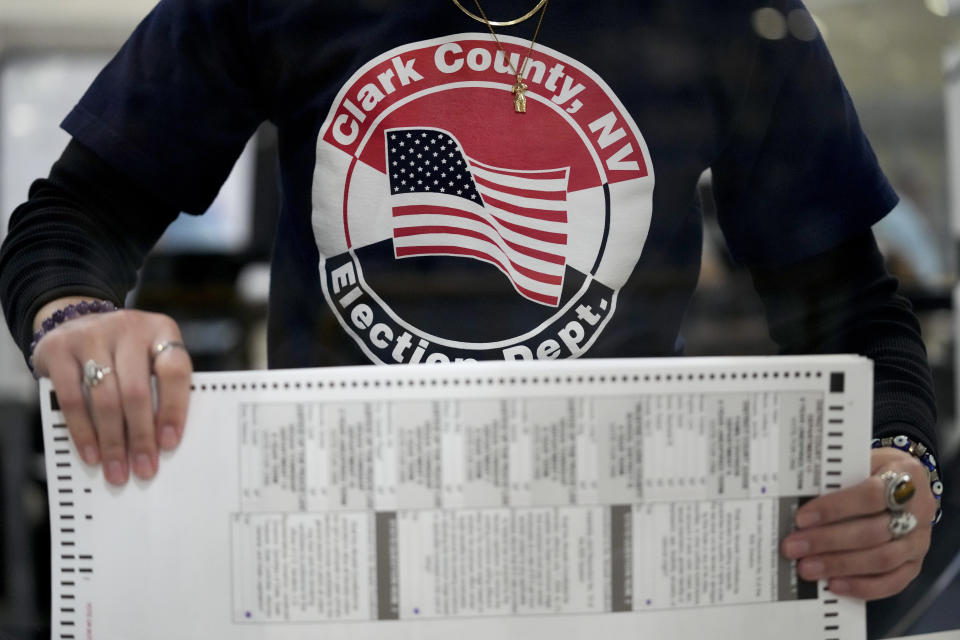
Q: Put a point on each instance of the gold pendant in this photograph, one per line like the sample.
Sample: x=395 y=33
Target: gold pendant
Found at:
x=519 y=95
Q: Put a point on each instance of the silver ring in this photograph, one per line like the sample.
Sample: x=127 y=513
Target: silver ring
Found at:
x=898 y=488
x=160 y=347
x=901 y=523
x=93 y=374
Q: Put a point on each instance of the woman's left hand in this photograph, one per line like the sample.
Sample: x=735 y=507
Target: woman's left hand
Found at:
x=844 y=537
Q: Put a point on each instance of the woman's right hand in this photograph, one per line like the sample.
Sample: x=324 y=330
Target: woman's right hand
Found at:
x=115 y=421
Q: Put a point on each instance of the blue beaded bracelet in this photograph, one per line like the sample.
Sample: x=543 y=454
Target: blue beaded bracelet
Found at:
x=921 y=453
x=69 y=312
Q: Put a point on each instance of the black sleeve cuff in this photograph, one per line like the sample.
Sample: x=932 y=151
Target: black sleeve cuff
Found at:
x=84 y=231
x=844 y=301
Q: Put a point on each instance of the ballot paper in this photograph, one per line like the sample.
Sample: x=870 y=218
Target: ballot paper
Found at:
x=584 y=499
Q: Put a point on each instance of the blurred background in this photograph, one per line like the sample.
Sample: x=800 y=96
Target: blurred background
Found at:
x=900 y=60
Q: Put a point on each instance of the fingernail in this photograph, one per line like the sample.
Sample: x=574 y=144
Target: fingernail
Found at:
x=90 y=455
x=807 y=518
x=143 y=466
x=839 y=587
x=168 y=438
x=116 y=472
x=812 y=570
x=796 y=548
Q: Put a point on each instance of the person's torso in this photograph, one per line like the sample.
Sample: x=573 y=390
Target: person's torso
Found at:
x=429 y=221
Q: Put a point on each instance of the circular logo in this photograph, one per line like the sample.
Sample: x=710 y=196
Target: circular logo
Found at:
x=434 y=151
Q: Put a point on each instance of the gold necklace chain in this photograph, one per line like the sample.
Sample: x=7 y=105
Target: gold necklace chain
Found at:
x=504 y=23
x=536 y=32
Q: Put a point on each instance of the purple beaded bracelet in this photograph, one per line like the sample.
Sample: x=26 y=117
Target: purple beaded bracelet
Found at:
x=69 y=312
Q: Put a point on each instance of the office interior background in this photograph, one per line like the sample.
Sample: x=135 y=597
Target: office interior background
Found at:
x=900 y=60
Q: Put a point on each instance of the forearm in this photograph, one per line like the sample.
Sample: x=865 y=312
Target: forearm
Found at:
x=844 y=301
x=83 y=233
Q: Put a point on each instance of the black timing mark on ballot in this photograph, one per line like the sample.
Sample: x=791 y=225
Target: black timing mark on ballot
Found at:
x=836 y=382
x=68 y=505
x=791 y=586
x=388 y=578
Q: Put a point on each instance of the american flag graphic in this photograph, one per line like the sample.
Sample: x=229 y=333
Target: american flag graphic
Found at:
x=446 y=203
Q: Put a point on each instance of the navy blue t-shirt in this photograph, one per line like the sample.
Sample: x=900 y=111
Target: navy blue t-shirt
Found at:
x=425 y=220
